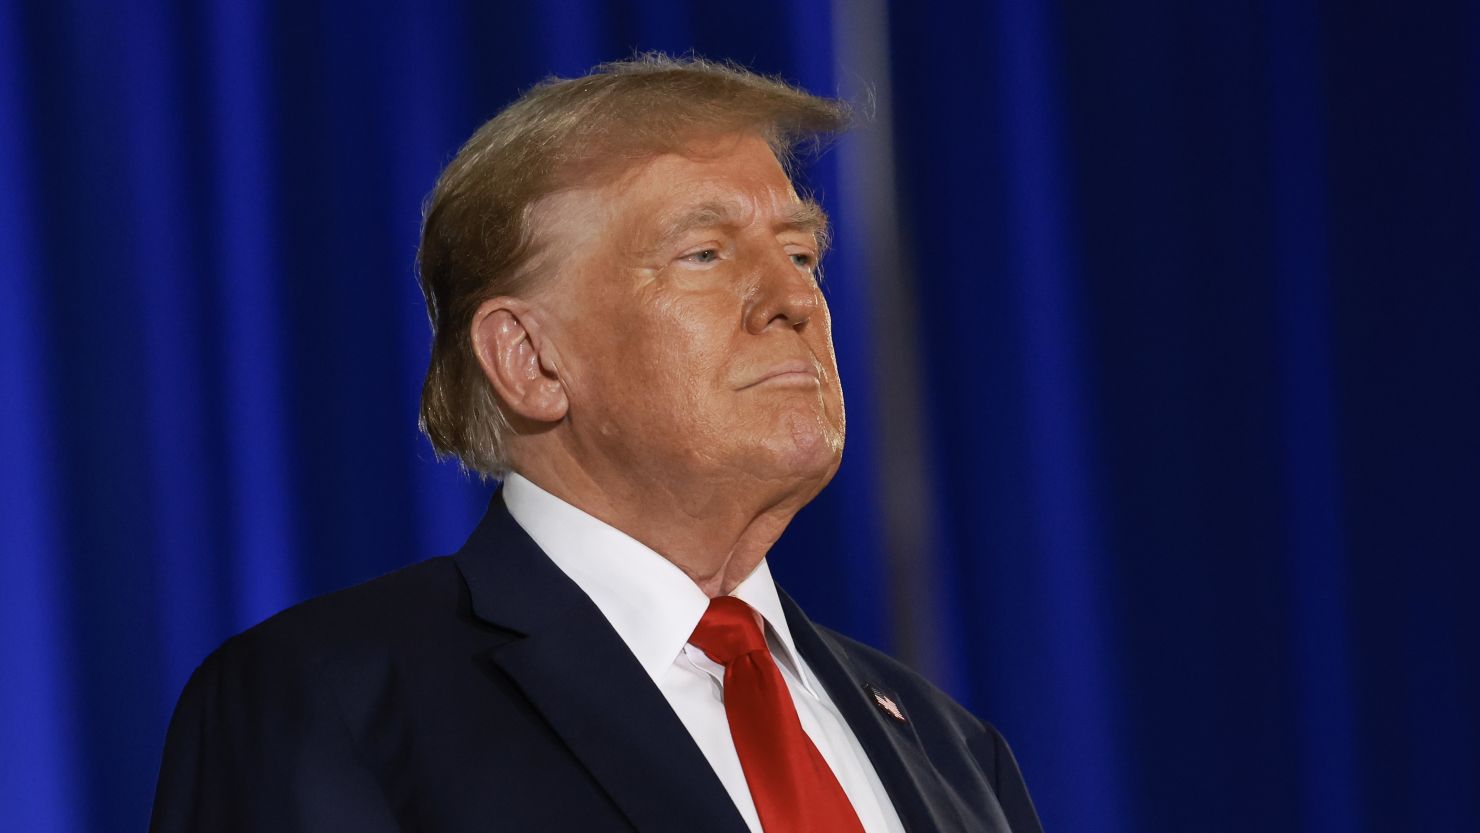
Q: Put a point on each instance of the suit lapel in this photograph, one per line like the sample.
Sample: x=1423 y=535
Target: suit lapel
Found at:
x=920 y=795
x=578 y=673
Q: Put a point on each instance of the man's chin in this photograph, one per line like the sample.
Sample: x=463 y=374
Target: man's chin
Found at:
x=807 y=453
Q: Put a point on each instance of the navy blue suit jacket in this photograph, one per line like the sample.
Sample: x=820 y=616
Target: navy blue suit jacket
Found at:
x=485 y=692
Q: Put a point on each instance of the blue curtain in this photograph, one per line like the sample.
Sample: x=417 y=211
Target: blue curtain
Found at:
x=1159 y=325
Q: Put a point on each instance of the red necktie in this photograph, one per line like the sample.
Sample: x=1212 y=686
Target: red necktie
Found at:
x=793 y=788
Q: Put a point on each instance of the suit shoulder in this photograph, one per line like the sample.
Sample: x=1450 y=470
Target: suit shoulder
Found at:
x=414 y=604
x=269 y=732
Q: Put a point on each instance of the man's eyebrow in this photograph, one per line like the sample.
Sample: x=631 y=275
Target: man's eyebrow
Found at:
x=703 y=215
x=805 y=216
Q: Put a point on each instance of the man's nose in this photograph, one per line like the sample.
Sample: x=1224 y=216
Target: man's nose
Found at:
x=785 y=296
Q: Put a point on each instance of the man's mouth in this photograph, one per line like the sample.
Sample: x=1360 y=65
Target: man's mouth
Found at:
x=796 y=373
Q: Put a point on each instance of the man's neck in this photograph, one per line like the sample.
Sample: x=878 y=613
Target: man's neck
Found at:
x=716 y=532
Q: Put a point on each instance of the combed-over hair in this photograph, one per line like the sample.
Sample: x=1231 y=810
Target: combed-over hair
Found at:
x=477 y=243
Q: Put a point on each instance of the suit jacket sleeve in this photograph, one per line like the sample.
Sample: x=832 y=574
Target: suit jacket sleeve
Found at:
x=258 y=743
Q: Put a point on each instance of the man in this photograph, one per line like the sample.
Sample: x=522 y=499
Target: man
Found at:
x=628 y=331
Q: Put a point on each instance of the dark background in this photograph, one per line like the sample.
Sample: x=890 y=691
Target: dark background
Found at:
x=1157 y=321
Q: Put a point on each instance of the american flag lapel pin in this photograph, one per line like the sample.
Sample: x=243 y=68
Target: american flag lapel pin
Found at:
x=885 y=703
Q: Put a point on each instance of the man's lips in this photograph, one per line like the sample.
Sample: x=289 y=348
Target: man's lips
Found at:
x=797 y=373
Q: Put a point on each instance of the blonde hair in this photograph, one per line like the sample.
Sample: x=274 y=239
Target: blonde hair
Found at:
x=477 y=242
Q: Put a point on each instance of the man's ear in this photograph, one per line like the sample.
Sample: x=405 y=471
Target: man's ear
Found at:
x=507 y=340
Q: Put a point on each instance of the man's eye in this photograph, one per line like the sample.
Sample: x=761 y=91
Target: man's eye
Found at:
x=803 y=260
x=705 y=256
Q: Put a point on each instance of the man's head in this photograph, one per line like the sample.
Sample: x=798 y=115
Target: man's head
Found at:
x=632 y=239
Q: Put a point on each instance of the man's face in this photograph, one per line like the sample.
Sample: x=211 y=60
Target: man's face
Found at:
x=696 y=346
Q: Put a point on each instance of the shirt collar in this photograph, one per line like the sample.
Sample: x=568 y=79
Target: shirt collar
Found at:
x=651 y=604
x=759 y=591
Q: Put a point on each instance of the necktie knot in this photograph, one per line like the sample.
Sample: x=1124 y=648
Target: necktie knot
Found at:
x=729 y=630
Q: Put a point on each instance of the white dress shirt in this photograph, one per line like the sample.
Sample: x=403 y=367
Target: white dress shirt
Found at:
x=654 y=607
